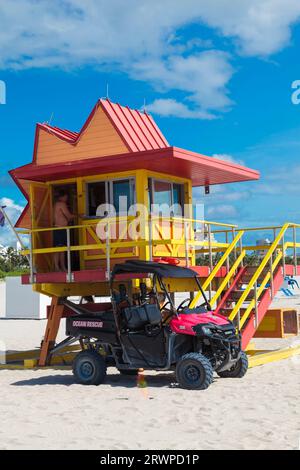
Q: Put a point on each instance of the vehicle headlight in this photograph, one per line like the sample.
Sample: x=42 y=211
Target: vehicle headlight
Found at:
x=207 y=331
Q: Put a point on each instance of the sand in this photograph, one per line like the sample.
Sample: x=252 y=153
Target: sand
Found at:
x=47 y=410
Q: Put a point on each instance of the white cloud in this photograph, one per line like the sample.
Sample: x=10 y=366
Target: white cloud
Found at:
x=11 y=206
x=282 y=180
x=228 y=158
x=225 y=203
x=260 y=27
x=223 y=210
x=146 y=40
x=220 y=194
x=170 y=107
x=13 y=210
x=203 y=76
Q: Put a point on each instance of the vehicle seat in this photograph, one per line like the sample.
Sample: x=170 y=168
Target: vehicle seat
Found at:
x=138 y=316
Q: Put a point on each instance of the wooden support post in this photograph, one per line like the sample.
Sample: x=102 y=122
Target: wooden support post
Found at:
x=56 y=312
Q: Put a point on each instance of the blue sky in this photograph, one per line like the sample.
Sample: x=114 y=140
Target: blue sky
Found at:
x=216 y=76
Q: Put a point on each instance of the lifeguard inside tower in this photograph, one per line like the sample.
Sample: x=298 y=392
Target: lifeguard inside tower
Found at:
x=118 y=164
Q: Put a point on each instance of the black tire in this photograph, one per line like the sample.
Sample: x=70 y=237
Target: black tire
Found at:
x=194 y=372
x=128 y=371
x=238 y=370
x=89 y=368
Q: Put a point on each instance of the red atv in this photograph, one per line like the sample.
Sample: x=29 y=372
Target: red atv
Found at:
x=146 y=330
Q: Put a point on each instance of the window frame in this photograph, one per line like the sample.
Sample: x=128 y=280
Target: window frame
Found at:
x=171 y=182
x=109 y=192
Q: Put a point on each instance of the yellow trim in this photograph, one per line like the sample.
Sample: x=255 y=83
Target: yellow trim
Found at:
x=108 y=176
x=81 y=210
x=218 y=266
x=34 y=353
x=258 y=272
x=74 y=288
x=62 y=181
x=260 y=290
x=35 y=217
x=98 y=246
x=259 y=359
x=166 y=177
x=228 y=277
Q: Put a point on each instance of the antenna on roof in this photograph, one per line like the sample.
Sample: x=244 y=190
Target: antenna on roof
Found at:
x=144 y=105
x=51 y=117
x=107 y=89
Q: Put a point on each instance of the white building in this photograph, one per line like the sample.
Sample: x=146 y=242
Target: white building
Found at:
x=19 y=301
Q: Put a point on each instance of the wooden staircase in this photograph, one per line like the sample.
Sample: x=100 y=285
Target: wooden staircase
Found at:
x=261 y=304
x=246 y=292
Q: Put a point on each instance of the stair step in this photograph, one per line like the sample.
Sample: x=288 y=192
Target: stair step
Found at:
x=236 y=295
x=225 y=311
x=253 y=269
x=248 y=276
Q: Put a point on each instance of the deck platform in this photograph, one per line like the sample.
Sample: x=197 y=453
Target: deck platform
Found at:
x=100 y=275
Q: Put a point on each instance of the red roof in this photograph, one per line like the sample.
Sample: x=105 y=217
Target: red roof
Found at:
x=137 y=129
x=62 y=133
x=141 y=135
x=202 y=170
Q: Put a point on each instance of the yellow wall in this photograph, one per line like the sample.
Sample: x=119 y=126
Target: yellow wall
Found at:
x=91 y=259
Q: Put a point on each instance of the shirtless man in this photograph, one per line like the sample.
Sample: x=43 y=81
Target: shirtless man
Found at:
x=62 y=217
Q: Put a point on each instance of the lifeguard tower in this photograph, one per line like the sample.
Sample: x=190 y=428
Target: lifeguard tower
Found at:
x=120 y=173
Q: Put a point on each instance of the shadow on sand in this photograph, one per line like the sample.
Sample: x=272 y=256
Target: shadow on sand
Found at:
x=113 y=379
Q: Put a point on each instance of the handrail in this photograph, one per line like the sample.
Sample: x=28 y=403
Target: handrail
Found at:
x=260 y=290
x=110 y=220
x=259 y=271
x=270 y=227
x=189 y=244
x=218 y=266
x=98 y=246
x=228 y=277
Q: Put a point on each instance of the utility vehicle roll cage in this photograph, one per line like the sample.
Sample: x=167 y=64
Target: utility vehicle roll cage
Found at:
x=158 y=271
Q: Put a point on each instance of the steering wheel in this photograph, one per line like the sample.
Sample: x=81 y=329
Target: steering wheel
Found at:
x=171 y=313
x=180 y=307
x=205 y=304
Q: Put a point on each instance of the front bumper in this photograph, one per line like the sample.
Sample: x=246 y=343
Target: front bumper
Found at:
x=232 y=349
x=225 y=346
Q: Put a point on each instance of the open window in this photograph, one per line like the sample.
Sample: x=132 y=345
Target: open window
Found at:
x=97 y=195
